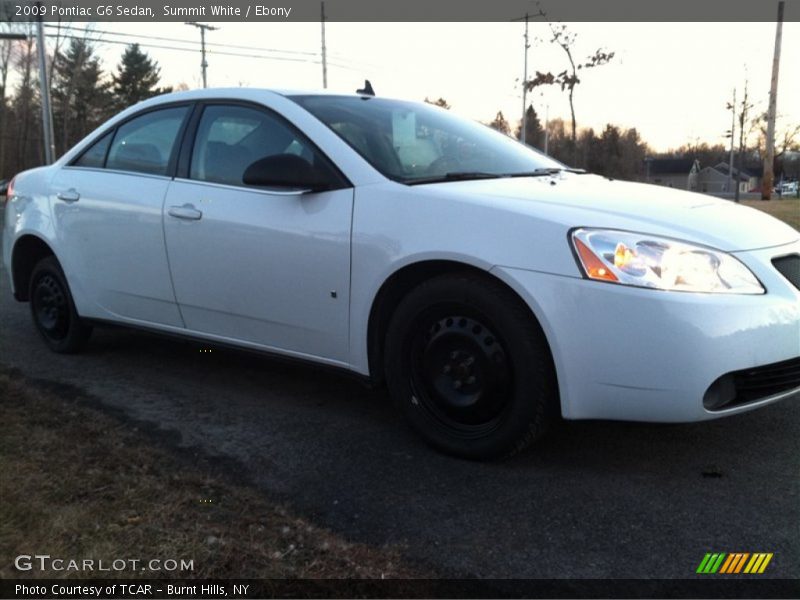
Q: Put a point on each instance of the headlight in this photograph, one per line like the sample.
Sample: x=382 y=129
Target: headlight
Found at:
x=654 y=262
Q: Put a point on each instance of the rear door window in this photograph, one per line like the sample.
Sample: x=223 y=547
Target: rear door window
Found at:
x=95 y=156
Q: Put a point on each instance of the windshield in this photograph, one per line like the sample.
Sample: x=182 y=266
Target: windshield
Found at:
x=413 y=142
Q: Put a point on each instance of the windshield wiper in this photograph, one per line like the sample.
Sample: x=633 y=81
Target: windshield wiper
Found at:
x=469 y=175
x=545 y=172
x=454 y=176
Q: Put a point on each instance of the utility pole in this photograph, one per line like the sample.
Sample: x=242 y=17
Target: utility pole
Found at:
x=746 y=106
x=203 y=27
x=523 y=130
x=546 y=126
x=44 y=90
x=324 y=50
x=769 y=154
x=732 y=108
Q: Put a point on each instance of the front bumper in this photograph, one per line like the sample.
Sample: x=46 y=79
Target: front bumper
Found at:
x=648 y=355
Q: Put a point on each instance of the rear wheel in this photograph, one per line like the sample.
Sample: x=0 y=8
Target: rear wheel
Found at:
x=470 y=368
x=53 y=310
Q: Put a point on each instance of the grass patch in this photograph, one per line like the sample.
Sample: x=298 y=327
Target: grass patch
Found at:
x=787 y=209
x=78 y=482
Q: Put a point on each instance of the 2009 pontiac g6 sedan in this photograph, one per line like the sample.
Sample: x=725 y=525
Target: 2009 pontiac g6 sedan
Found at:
x=491 y=288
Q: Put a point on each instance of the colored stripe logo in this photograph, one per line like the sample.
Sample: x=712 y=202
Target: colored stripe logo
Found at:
x=734 y=563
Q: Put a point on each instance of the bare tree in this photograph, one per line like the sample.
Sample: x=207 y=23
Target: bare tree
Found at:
x=441 y=102
x=787 y=135
x=24 y=60
x=6 y=47
x=569 y=78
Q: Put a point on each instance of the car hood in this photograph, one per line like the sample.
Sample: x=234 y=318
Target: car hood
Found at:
x=578 y=200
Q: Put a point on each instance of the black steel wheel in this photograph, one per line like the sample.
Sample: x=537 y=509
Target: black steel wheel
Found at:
x=469 y=367
x=460 y=372
x=53 y=310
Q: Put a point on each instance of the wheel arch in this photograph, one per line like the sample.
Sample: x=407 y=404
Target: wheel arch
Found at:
x=28 y=250
x=400 y=283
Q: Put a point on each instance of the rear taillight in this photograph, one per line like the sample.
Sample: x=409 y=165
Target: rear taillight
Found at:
x=10 y=190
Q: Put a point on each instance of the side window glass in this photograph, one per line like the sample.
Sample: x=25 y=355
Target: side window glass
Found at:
x=95 y=156
x=145 y=144
x=231 y=138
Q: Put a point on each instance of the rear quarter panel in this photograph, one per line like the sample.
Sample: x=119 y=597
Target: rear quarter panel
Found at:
x=28 y=212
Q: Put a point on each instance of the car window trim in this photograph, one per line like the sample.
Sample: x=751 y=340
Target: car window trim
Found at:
x=121 y=172
x=187 y=146
x=252 y=188
x=113 y=130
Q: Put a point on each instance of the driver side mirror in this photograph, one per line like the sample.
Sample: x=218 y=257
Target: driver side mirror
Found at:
x=285 y=170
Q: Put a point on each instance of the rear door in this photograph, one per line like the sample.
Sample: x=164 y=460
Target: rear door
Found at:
x=269 y=267
x=107 y=206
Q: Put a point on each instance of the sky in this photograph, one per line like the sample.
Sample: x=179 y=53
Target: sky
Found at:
x=671 y=81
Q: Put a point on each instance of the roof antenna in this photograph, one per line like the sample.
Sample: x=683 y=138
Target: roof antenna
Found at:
x=367 y=91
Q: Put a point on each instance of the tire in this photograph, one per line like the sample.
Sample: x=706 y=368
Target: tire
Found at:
x=469 y=367
x=53 y=310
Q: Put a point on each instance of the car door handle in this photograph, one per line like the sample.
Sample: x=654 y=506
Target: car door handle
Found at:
x=187 y=211
x=71 y=195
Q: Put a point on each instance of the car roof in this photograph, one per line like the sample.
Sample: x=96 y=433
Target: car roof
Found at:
x=240 y=92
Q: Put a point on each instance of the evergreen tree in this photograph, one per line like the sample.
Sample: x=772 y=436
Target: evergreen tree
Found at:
x=500 y=123
x=136 y=78
x=81 y=97
x=534 y=132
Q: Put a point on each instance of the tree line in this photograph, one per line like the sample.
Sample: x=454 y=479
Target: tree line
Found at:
x=82 y=94
x=620 y=153
x=613 y=152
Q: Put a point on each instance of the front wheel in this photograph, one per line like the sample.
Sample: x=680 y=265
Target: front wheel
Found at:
x=53 y=310
x=469 y=367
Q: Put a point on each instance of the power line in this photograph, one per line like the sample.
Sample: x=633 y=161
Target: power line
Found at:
x=180 y=49
x=339 y=57
x=180 y=41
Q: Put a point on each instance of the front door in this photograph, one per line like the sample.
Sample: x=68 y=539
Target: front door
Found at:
x=266 y=267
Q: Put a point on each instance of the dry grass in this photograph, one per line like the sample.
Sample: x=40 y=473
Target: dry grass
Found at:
x=787 y=209
x=80 y=483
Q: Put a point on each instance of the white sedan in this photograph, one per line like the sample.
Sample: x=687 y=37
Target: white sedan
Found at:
x=491 y=288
